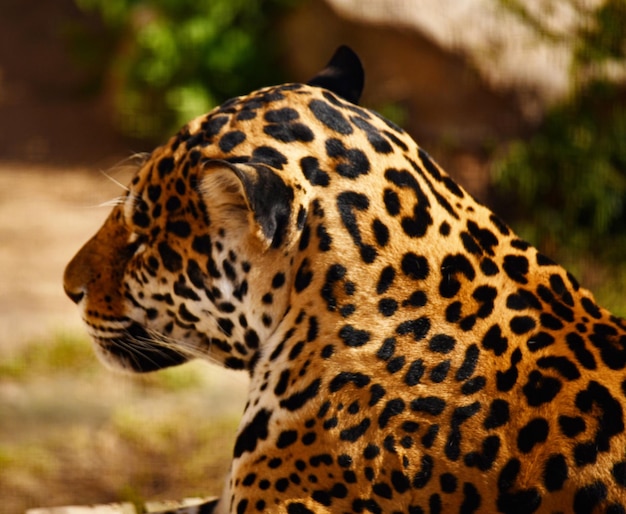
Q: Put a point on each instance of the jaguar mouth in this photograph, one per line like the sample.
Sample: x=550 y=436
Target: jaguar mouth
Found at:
x=135 y=350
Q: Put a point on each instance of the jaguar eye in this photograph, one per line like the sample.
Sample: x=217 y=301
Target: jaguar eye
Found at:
x=131 y=248
x=140 y=214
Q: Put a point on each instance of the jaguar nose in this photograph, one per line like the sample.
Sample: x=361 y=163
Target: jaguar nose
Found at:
x=72 y=285
x=77 y=274
x=75 y=296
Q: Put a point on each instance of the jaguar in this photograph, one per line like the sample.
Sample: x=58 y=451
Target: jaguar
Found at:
x=407 y=351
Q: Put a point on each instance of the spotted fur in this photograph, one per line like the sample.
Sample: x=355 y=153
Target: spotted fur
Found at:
x=407 y=351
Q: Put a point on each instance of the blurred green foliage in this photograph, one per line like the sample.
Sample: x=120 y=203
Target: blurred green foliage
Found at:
x=171 y=60
x=569 y=178
x=566 y=184
x=63 y=353
x=604 y=38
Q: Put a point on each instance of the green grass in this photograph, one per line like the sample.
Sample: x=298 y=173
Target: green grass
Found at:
x=63 y=353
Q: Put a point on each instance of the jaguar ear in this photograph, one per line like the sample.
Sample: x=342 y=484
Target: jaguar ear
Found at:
x=343 y=75
x=251 y=192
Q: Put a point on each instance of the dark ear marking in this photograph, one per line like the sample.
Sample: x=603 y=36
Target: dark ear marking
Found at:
x=343 y=75
x=268 y=197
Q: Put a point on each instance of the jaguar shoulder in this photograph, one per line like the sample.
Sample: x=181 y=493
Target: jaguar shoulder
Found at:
x=407 y=351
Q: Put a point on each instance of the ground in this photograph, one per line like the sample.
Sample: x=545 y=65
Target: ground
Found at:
x=45 y=215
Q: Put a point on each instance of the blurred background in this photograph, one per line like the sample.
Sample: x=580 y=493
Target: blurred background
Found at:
x=522 y=101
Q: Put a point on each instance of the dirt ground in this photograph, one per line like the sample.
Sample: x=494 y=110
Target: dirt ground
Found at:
x=46 y=214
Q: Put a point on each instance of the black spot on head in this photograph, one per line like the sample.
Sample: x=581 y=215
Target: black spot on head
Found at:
x=154 y=192
x=246 y=115
x=230 y=140
x=165 y=166
x=289 y=132
x=173 y=204
x=141 y=219
x=278 y=280
x=270 y=156
x=328 y=351
x=351 y=163
x=313 y=173
x=179 y=228
x=313 y=329
x=374 y=136
x=284 y=115
x=212 y=126
x=171 y=259
x=330 y=117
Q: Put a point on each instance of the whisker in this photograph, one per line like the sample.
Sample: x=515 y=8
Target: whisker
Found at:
x=114 y=180
x=113 y=202
x=184 y=348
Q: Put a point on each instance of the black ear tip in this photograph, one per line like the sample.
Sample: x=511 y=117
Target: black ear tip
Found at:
x=346 y=58
x=342 y=75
